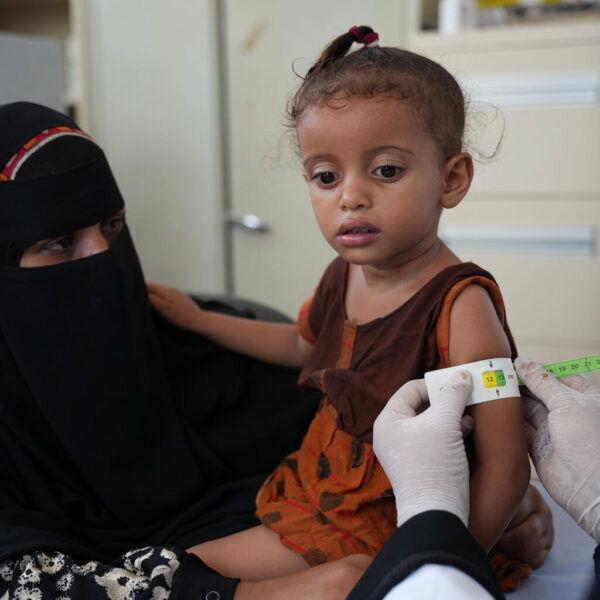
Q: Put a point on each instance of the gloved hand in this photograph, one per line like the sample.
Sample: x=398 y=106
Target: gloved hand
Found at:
x=563 y=435
x=423 y=454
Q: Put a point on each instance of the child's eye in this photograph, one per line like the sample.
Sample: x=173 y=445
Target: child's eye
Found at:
x=388 y=171
x=326 y=177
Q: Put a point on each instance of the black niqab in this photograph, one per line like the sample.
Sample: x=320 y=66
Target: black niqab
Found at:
x=116 y=429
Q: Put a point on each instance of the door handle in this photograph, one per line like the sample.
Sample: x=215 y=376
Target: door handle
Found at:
x=247 y=222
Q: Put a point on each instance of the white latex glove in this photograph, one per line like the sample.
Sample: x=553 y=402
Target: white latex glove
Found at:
x=423 y=454
x=563 y=435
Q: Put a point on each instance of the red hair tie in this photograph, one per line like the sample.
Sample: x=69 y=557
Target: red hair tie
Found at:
x=363 y=38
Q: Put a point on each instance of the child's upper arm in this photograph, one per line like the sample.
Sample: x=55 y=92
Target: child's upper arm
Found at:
x=500 y=465
x=476 y=334
x=305 y=348
x=475 y=329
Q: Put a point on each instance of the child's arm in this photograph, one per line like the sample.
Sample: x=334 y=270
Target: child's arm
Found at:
x=500 y=467
x=279 y=343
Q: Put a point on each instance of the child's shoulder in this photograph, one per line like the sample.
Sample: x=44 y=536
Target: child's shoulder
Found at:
x=471 y=286
x=477 y=322
x=453 y=279
x=466 y=269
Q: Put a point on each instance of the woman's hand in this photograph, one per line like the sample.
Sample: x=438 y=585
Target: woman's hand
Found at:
x=530 y=533
x=176 y=306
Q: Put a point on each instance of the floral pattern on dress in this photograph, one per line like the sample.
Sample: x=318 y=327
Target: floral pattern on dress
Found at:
x=145 y=573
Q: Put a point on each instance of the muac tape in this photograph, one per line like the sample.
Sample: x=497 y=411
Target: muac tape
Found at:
x=492 y=379
x=496 y=378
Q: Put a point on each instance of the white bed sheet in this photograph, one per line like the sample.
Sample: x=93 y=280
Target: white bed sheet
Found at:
x=568 y=572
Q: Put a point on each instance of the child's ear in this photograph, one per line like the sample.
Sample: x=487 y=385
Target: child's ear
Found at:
x=458 y=174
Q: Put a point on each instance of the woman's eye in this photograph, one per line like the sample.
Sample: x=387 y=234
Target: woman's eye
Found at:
x=59 y=244
x=388 y=171
x=113 y=226
x=326 y=177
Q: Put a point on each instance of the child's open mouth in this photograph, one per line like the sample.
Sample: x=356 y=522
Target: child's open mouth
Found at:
x=356 y=233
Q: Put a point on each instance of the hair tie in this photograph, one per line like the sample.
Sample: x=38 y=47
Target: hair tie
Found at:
x=363 y=38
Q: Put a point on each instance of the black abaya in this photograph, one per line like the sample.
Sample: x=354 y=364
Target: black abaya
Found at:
x=117 y=430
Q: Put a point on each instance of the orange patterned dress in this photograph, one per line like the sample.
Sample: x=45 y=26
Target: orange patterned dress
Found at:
x=331 y=498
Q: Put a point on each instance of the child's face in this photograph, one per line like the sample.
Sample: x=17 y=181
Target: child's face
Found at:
x=374 y=178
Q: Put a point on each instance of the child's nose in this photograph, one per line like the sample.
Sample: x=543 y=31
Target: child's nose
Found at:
x=355 y=194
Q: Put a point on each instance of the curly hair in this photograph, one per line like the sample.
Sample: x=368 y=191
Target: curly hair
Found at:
x=385 y=71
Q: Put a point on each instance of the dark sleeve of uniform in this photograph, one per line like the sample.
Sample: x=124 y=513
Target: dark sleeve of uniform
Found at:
x=432 y=537
x=595 y=591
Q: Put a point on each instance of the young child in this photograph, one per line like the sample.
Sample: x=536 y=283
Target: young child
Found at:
x=380 y=135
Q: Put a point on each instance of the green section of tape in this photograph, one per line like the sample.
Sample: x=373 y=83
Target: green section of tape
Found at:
x=573 y=367
x=500 y=378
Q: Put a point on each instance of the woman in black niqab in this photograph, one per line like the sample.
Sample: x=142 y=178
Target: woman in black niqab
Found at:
x=117 y=431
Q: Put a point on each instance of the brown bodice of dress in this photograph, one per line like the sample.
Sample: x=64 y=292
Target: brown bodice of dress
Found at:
x=358 y=367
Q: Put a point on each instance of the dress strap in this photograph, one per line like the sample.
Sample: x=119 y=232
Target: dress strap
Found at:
x=304 y=322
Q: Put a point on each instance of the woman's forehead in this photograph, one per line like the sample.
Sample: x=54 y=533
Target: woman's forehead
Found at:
x=43 y=207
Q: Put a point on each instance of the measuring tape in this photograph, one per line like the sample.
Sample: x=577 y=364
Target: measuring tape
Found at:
x=576 y=366
x=496 y=378
x=493 y=379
